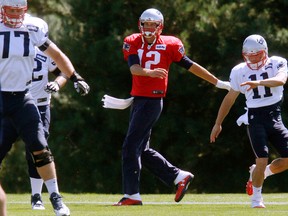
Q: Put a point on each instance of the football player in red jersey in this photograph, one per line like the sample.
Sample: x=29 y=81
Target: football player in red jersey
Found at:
x=149 y=55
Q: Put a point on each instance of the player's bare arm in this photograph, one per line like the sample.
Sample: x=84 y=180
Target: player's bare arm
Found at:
x=62 y=61
x=157 y=72
x=278 y=80
x=201 y=72
x=224 y=109
x=66 y=67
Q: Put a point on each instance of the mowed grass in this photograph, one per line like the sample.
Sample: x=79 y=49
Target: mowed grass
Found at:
x=154 y=205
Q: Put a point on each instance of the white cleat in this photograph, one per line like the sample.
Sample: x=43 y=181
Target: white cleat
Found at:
x=257 y=202
x=36 y=202
x=59 y=207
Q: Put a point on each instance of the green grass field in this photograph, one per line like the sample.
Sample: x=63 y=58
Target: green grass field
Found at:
x=154 y=205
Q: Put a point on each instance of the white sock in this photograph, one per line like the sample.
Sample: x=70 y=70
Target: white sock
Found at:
x=257 y=191
x=36 y=185
x=267 y=172
x=182 y=174
x=133 y=196
x=52 y=186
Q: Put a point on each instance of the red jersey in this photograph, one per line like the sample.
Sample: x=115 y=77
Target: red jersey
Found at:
x=161 y=54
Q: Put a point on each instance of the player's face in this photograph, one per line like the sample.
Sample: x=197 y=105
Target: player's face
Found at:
x=150 y=25
x=149 y=29
x=15 y=12
x=255 y=58
x=13 y=17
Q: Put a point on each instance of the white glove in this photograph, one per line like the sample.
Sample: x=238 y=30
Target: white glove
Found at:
x=82 y=87
x=223 y=85
x=52 y=87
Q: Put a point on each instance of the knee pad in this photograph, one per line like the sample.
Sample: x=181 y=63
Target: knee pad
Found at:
x=43 y=158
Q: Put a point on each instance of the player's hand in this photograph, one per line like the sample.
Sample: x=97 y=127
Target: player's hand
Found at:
x=52 y=87
x=158 y=73
x=82 y=87
x=251 y=84
x=223 y=85
x=79 y=84
x=216 y=130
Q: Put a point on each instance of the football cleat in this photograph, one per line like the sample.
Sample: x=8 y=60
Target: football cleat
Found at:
x=249 y=186
x=127 y=201
x=257 y=203
x=59 y=207
x=36 y=202
x=182 y=187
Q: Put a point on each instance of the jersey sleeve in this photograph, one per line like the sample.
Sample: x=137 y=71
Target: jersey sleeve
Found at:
x=177 y=48
x=234 y=79
x=129 y=46
x=281 y=65
x=38 y=30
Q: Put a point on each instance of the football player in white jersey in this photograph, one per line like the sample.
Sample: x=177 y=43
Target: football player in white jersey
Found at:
x=19 y=37
x=260 y=78
x=40 y=90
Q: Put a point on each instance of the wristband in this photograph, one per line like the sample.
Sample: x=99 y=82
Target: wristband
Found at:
x=75 y=77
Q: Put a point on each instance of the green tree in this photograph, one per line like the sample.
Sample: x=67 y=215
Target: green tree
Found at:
x=86 y=139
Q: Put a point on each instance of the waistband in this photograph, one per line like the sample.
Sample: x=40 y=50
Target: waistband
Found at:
x=266 y=108
x=147 y=98
x=6 y=93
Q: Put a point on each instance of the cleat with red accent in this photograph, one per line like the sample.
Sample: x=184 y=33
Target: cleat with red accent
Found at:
x=127 y=201
x=249 y=186
x=182 y=187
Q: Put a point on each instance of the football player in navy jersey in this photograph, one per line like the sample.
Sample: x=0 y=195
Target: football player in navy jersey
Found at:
x=260 y=78
x=149 y=55
x=19 y=37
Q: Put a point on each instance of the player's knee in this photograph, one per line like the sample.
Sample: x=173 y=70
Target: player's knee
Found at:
x=43 y=158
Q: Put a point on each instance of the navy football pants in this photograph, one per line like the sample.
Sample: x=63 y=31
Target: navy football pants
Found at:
x=266 y=126
x=136 y=151
x=21 y=118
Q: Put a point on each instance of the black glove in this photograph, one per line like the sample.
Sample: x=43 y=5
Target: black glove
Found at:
x=79 y=84
x=52 y=87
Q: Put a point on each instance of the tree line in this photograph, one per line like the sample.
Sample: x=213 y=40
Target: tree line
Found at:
x=86 y=139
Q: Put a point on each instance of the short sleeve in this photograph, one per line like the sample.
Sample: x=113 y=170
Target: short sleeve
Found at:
x=38 y=30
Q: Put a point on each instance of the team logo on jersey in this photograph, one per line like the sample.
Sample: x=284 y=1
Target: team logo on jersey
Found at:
x=270 y=65
x=280 y=65
x=160 y=47
x=182 y=50
x=126 y=46
x=41 y=57
x=32 y=28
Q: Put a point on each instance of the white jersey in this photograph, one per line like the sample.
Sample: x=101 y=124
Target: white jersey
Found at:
x=260 y=96
x=43 y=65
x=17 y=52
